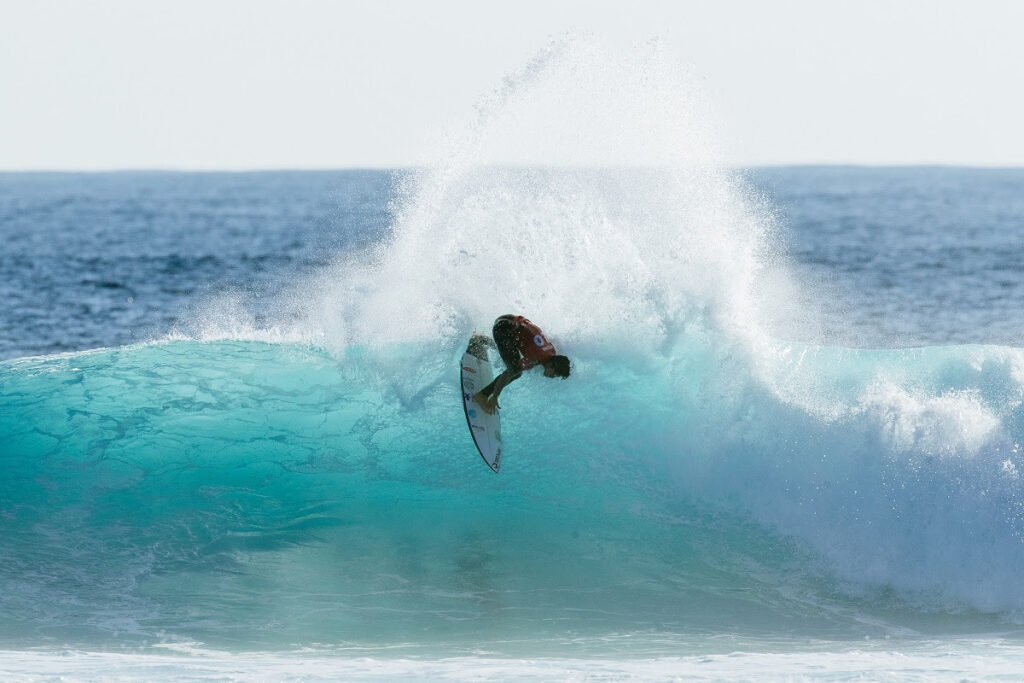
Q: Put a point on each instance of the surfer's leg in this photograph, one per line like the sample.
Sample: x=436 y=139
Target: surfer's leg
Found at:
x=504 y=339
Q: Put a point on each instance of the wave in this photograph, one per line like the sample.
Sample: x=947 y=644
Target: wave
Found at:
x=208 y=488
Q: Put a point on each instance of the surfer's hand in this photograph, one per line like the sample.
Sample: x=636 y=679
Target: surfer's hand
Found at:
x=488 y=403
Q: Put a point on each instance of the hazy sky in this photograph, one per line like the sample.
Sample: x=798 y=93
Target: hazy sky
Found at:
x=314 y=84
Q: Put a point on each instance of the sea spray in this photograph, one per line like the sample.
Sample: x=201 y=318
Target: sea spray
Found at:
x=618 y=222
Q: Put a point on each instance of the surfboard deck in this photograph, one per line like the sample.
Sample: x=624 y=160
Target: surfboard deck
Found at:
x=483 y=427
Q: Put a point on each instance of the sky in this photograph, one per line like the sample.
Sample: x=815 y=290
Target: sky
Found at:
x=227 y=84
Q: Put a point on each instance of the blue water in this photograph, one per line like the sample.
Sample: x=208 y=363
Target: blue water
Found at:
x=229 y=415
x=108 y=259
x=917 y=256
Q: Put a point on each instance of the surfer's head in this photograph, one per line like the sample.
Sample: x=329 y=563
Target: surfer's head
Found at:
x=556 y=366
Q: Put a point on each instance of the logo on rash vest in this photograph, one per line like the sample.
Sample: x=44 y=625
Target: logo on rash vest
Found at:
x=468 y=369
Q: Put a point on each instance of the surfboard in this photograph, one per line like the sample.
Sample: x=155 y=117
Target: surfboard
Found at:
x=483 y=427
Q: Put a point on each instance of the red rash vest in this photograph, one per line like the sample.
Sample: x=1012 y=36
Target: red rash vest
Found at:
x=534 y=346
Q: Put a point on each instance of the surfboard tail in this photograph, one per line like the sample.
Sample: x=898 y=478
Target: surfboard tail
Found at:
x=478 y=345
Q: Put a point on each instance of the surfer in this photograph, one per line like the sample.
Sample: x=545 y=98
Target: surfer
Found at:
x=522 y=346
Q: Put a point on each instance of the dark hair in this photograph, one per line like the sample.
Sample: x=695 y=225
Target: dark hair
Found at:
x=560 y=365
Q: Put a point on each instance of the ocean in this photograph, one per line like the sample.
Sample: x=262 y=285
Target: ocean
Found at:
x=234 y=447
x=233 y=440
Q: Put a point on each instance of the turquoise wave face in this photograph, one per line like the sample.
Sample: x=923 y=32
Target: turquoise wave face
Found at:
x=272 y=495
x=259 y=494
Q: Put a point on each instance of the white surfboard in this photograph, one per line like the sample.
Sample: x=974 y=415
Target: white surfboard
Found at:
x=485 y=428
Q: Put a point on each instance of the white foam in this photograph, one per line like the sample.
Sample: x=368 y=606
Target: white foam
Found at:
x=951 y=660
x=951 y=423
